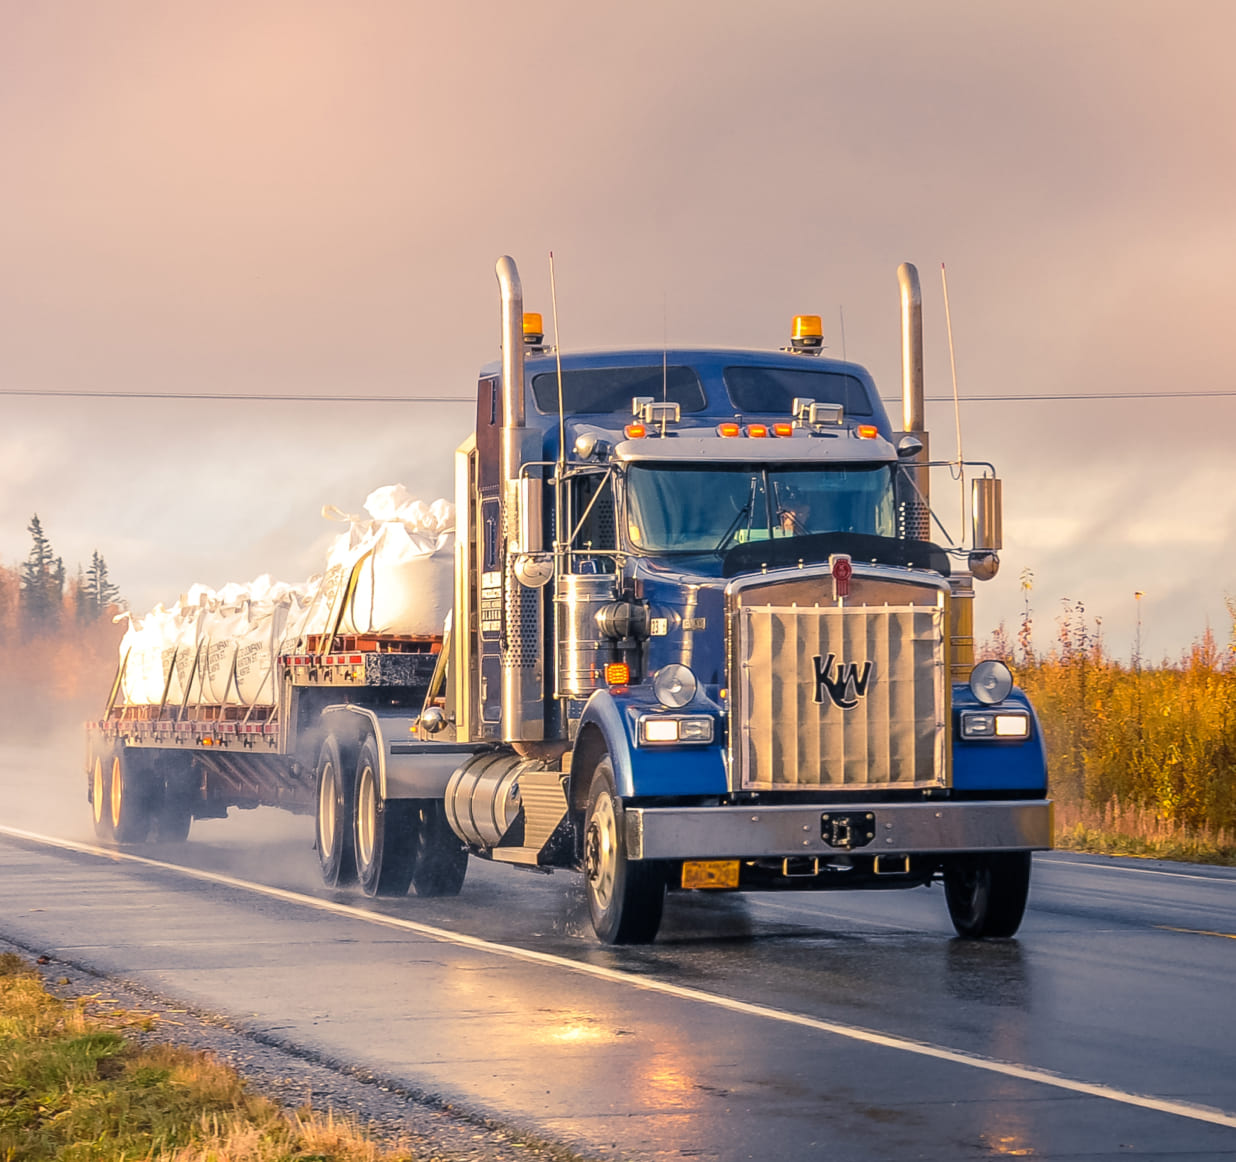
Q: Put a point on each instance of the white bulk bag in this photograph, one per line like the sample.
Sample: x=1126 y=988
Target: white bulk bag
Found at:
x=257 y=648
x=221 y=630
x=393 y=574
x=400 y=584
x=141 y=650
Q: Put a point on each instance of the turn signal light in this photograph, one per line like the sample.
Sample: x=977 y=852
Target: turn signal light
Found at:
x=728 y=429
x=635 y=431
x=868 y=431
x=617 y=673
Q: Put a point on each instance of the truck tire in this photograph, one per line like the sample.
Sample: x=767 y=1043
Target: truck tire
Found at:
x=173 y=814
x=441 y=857
x=129 y=797
x=625 y=897
x=386 y=832
x=336 y=858
x=987 y=893
x=100 y=791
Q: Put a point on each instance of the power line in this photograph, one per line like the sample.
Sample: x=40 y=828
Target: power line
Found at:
x=1074 y=395
x=237 y=397
x=244 y=397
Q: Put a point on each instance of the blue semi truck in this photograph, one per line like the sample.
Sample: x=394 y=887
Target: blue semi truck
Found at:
x=702 y=639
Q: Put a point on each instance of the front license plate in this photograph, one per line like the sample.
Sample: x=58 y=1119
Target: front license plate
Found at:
x=710 y=873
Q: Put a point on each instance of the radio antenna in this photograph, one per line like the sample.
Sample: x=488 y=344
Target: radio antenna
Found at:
x=553 y=306
x=952 y=359
x=841 y=313
x=560 y=526
x=664 y=349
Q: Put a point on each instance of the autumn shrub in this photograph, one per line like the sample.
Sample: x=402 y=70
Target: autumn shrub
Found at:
x=1123 y=737
x=55 y=674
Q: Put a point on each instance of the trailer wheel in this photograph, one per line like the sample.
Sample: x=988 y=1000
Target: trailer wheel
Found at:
x=336 y=857
x=441 y=857
x=173 y=816
x=987 y=893
x=625 y=897
x=100 y=791
x=386 y=832
x=129 y=795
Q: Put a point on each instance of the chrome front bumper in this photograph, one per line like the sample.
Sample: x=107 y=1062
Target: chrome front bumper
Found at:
x=782 y=832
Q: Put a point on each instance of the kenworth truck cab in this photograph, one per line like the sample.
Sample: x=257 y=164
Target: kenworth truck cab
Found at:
x=702 y=630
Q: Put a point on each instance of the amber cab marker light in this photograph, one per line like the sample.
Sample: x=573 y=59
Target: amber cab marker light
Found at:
x=617 y=674
x=807 y=333
x=728 y=429
x=867 y=431
x=635 y=431
x=783 y=429
x=757 y=431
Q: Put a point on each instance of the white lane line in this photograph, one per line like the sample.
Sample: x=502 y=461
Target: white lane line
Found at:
x=1193 y=1112
x=1133 y=871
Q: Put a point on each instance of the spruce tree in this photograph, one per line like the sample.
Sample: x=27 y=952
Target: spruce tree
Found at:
x=97 y=591
x=42 y=584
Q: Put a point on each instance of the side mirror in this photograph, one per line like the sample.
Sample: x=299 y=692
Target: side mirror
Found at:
x=909 y=446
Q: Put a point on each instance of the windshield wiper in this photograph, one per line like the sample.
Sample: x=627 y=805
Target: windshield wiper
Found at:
x=743 y=513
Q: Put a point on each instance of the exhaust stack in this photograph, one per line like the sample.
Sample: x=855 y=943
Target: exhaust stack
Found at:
x=917 y=506
x=911 y=348
x=523 y=675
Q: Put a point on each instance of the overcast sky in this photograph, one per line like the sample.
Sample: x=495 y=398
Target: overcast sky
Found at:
x=298 y=198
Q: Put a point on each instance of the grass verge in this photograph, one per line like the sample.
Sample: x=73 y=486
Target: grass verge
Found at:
x=74 y=1087
x=1135 y=831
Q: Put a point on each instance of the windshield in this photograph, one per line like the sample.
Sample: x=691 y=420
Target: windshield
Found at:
x=672 y=508
x=606 y=390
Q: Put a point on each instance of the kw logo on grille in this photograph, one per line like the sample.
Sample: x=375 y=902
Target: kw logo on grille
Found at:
x=838 y=686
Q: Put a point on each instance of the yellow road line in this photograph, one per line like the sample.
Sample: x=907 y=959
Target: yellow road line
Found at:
x=1196 y=931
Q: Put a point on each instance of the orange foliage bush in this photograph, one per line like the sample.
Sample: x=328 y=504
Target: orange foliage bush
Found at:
x=57 y=678
x=1156 y=738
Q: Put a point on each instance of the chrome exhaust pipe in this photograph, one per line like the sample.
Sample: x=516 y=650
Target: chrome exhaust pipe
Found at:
x=917 y=513
x=911 y=348
x=523 y=675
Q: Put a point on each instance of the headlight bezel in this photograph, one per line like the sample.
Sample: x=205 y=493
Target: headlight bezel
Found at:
x=1007 y=725
x=675 y=729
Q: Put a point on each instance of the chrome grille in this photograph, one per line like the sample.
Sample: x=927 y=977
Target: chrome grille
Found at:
x=841 y=697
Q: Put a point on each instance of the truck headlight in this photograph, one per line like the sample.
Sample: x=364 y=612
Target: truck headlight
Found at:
x=655 y=728
x=674 y=685
x=991 y=682
x=995 y=724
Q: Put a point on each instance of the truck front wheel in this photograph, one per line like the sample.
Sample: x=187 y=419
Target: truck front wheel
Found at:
x=334 y=820
x=625 y=897
x=987 y=893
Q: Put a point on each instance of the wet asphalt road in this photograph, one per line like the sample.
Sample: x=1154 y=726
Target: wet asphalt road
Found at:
x=1121 y=978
